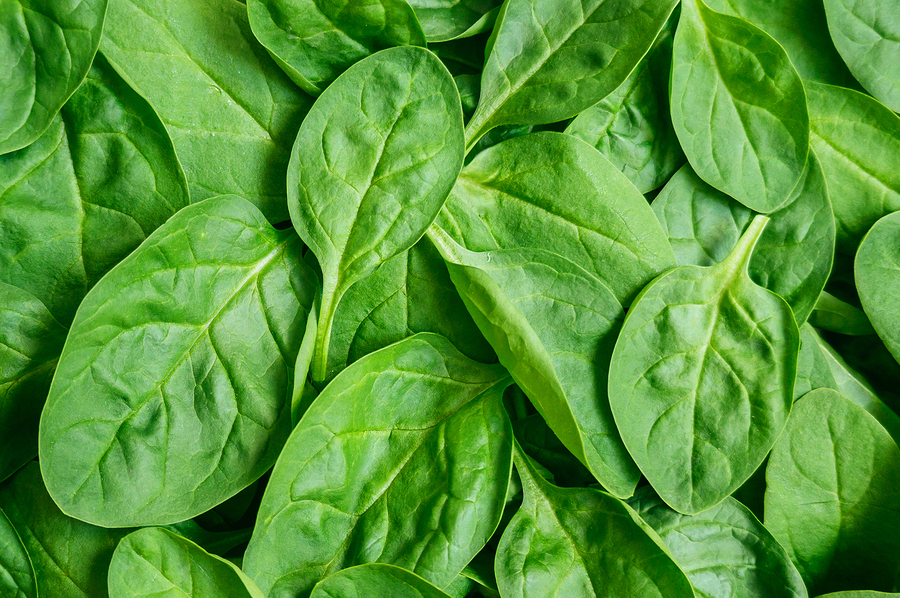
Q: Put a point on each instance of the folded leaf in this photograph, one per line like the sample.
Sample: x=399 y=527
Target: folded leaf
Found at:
x=375 y=580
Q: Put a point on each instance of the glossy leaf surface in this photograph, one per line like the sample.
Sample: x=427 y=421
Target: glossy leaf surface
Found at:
x=831 y=495
x=702 y=377
x=403 y=459
x=738 y=107
x=548 y=190
x=454 y=19
x=212 y=307
x=375 y=579
x=877 y=269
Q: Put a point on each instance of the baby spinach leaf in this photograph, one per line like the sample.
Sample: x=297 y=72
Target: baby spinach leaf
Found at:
x=171 y=394
x=857 y=141
x=155 y=562
x=831 y=495
x=867 y=34
x=793 y=256
x=631 y=126
x=46 y=53
x=550 y=59
x=581 y=542
x=820 y=366
x=702 y=376
x=45 y=553
x=738 y=107
x=724 y=551
x=314 y=41
x=835 y=315
x=403 y=459
x=371 y=168
x=860 y=594
x=231 y=112
x=75 y=202
x=877 y=269
x=454 y=19
x=553 y=326
x=375 y=579
x=551 y=190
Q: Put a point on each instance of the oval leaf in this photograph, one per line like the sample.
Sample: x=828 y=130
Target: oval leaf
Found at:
x=877 y=269
x=702 y=376
x=403 y=459
x=171 y=392
x=375 y=579
x=738 y=107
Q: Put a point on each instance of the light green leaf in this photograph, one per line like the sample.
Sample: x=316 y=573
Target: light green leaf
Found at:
x=738 y=108
x=375 y=579
x=46 y=51
x=725 y=551
x=702 y=377
x=549 y=190
x=581 y=542
x=403 y=459
x=444 y=20
x=550 y=59
x=834 y=315
x=877 y=269
x=553 y=326
x=314 y=41
x=831 y=495
x=231 y=112
x=794 y=255
x=171 y=394
x=155 y=562
x=371 y=168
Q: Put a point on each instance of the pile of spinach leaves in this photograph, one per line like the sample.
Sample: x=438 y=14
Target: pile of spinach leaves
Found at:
x=516 y=298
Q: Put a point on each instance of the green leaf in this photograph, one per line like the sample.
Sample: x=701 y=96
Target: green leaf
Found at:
x=838 y=316
x=454 y=19
x=75 y=202
x=231 y=112
x=155 y=562
x=738 y=108
x=702 y=377
x=375 y=579
x=867 y=34
x=724 y=551
x=46 y=52
x=860 y=594
x=550 y=59
x=539 y=442
x=831 y=495
x=581 y=542
x=171 y=394
x=877 y=269
x=857 y=140
x=550 y=190
x=819 y=366
x=371 y=168
x=314 y=41
x=631 y=126
x=45 y=553
x=553 y=326
x=793 y=256
x=403 y=459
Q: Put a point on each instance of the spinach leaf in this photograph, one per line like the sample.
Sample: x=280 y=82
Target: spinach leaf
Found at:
x=231 y=112
x=551 y=190
x=831 y=495
x=371 y=168
x=375 y=579
x=857 y=141
x=314 y=41
x=46 y=53
x=835 y=315
x=171 y=394
x=794 y=255
x=403 y=459
x=74 y=203
x=738 y=107
x=538 y=441
x=455 y=19
x=867 y=34
x=877 y=269
x=724 y=551
x=45 y=553
x=859 y=594
x=553 y=326
x=581 y=542
x=702 y=377
x=548 y=60
x=155 y=562
x=631 y=126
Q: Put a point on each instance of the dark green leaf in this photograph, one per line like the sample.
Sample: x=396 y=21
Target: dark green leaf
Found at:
x=454 y=19
x=877 y=269
x=835 y=315
x=375 y=580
